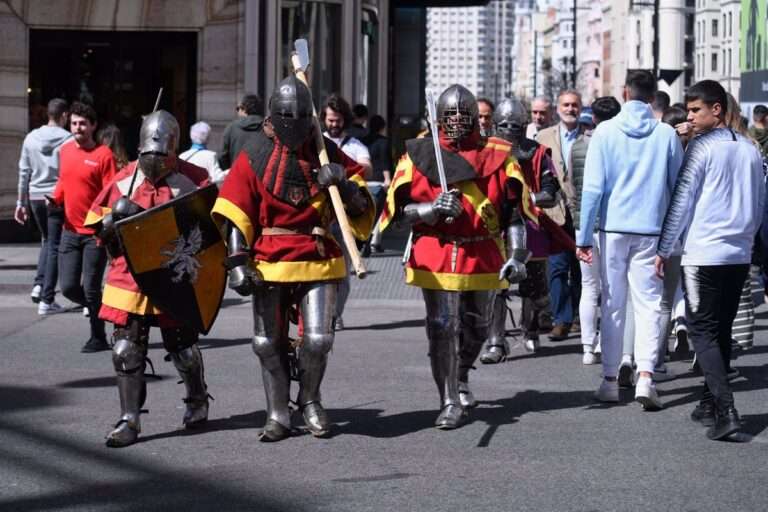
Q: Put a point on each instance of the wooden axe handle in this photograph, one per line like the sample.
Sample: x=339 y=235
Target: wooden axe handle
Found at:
x=333 y=190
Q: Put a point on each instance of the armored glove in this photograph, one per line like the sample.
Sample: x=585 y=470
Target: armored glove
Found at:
x=331 y=174
x=513 y=271
x=243 y=278
x=447 y=204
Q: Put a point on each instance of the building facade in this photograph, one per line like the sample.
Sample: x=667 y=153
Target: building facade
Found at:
x=471 y=46
x=204 y=53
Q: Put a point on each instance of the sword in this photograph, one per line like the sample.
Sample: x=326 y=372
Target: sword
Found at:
x=431 y=109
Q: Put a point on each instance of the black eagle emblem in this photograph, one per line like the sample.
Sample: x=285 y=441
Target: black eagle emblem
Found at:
x=181 y=256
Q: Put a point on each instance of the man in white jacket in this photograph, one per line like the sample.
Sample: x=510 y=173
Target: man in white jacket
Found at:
x=717 y=207
x=38 y=174
x=629 y=174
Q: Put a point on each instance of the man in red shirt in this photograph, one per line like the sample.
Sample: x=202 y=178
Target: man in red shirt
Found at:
x=85 y=169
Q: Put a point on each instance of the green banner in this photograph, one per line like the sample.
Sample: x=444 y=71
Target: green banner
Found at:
x=754 y=46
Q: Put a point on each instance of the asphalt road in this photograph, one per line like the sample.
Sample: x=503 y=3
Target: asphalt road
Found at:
x=536 y=442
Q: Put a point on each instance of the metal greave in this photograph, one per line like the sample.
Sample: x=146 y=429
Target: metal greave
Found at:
x=317 y=310
x=475 y=310
x=443 y=334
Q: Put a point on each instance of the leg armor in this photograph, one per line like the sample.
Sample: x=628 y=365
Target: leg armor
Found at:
x=475 y=310
x=443 y=334
x=129 y=359
x=535 y=299
x=317 y=311
x=271 y=348
x=181 y=345
x=497 y=347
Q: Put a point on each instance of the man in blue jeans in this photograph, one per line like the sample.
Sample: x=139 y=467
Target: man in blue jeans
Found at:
x=38 y=173
x=563 y=270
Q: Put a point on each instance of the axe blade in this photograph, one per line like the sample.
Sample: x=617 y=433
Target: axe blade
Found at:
x=302 y=51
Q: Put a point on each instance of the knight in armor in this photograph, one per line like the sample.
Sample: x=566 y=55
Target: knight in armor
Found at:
x=157 y=177
x=458 y=257
x=535 y=237
x=275 y=212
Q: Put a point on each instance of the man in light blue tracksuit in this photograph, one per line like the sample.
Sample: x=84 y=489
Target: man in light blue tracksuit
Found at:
x=629 y=175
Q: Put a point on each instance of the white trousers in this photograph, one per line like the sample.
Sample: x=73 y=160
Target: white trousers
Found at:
x=590 y=298
x=627 y=266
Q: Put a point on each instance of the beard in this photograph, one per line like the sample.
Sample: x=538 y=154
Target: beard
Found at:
x=335 y=131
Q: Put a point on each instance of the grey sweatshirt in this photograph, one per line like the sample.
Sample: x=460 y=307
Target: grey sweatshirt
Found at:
x=39 y=162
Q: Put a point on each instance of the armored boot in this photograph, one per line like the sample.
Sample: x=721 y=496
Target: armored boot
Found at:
x=189 y=363
x=277 y=386
x=475 y=313
x=128 y=358
x=443 y=357
x=497 y=348
x=313 y=359
x=529 y=324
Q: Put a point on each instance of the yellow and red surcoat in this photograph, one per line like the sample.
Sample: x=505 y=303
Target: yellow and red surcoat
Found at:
x=256 y=195
x=467 y=253
x=122 y=295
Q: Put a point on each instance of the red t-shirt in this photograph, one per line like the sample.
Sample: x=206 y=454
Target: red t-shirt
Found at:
x=83 y=173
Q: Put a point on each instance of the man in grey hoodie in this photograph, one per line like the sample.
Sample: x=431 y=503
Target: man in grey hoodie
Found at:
x=38 y=173
x=239 y=132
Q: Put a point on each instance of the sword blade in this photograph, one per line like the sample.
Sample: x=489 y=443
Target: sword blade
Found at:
x=431 y=109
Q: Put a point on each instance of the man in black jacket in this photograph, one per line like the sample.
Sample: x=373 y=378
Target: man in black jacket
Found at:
x=242 y=130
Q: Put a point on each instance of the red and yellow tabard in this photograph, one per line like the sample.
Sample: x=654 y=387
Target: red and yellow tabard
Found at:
x=467 y=253
x=122 y=295
x=270 y=186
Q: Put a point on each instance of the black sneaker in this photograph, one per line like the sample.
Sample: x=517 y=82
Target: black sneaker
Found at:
x=95 y=345
x=726 y=423
x=704 y=413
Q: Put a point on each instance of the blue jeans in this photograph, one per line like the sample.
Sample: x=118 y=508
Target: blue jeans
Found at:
x=49 y=222
x=564 y=286
x=81 y=268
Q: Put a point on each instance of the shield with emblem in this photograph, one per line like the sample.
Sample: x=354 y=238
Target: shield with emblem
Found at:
x=176 y=255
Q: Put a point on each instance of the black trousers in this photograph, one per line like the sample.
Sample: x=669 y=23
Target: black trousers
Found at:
x=81 y=269
x=711 y=301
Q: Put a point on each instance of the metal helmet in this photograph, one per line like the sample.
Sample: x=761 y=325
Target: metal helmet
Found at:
x=457 y=112
x=159 y=133
x=158 y=140
x=290 y=109
x=510 y=119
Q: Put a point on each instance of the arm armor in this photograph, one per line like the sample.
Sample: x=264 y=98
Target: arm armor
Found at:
x=242 y=275
x=516 y=238
x=546 y=197
x=355 y=201
x=415 y=213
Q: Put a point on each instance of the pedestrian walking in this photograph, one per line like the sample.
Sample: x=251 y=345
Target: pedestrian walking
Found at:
x=86 y=168
x=200 y=155
x=38 y=174
x=603 y=109
x=541 y=116
x=563 y=268
x=243 y=129
x=717 y=207
x=629 y=174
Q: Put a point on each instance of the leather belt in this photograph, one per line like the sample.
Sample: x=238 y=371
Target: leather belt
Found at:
x=277 y=231
x=453 y=239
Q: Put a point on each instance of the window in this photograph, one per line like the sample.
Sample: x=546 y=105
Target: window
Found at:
x=730 y=24
x=730 y=63
x=714 y=28
x=318 y=23
x=714 y=62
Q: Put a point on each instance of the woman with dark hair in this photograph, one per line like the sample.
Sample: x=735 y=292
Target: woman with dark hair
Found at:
x=111 y=137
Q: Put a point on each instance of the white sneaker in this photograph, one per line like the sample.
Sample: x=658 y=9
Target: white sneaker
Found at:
x=645 y=393
x=531 y=345
x=626 y=372
x=86 y=312
x=607 y=392
x=35 y=295
x=590 y=358
x=50 y=309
